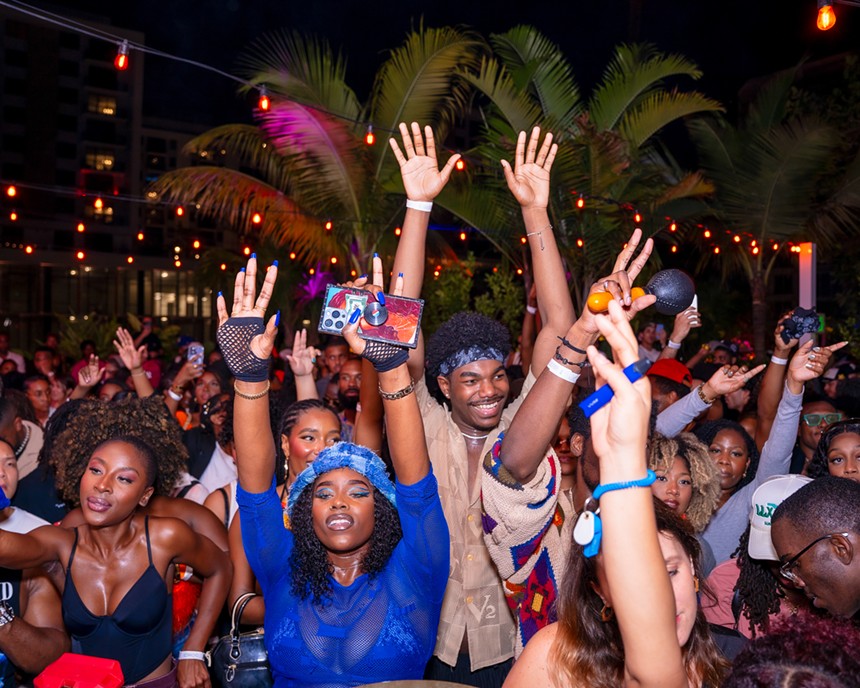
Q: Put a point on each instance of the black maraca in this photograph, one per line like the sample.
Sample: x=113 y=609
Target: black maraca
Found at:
x=673 y=288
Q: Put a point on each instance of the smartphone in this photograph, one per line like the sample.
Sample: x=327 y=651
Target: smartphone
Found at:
x=195 y=353
x=398 y=321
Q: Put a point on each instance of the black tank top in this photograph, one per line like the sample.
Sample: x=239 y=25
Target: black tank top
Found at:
x=138 y=634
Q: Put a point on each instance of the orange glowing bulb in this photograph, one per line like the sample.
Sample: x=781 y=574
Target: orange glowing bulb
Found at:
x=121 y=59
x=13 y=216
x=460 y=165
x=196 y=243
x=637 y=218
x=397 y=231
x=716 y=249
x=334 y=260
x=580 y=202
x=223 y=266
x=80 y=255
x=11 y=191
x=81 y=227
x=462 y=236
x=292 y=255
x=177 y=263
x=264 y=103
x=129 y=260
x=352 y=273
x=180 y=211
x=28 y=249
x=247 y=250
x=435 y=273
x=256 y=218
x=523 y=240
x=674 y=249
x=98 y=204
x=328 y=225
x=826 y=18
x=755 y=250
x=369 y=138
x=673 y=227
x=753 y=243
x=519 y=271
x=580 y=243
x=140 y=236
x=775 y=247
x=311 y=271
x=707 y=234
x=737 y=239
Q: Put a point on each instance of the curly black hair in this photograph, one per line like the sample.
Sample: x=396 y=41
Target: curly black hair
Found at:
x=92 y=424
x=578 y=422
x=817 y=467
x=310 y=568
x=462 y=331
x=706 y=433
x=757 y=587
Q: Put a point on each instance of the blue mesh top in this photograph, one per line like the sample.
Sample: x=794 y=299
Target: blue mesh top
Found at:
x=373 y=630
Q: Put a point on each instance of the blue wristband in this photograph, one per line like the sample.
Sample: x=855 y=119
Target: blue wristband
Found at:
x=592 y=548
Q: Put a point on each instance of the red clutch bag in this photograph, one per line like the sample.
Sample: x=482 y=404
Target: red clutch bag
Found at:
x=80 y=671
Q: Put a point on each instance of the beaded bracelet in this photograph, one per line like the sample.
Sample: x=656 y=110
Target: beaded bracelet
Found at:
x=399 y=394
x=571 y=346
x=258 y=395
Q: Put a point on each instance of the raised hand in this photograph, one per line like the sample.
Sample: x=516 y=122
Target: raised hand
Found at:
x=809 y=362
x=419 y=168
x=684 y=322
x=782 y=349
x=529 y=179
x=624 y=272
x=729 y=379
x=132 y=357
x=244 y=339
x=90 y=375
x=619 y=430
x=303 y=359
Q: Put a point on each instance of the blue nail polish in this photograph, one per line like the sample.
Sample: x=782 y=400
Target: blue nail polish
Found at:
x=354 y=317
x=277 y=318
x=364 y=276
x=242 y=269
x=220 y=294
x=381 y=298
x=275 y=263
x=375 y=255
x=400 y=274
x=254 y=255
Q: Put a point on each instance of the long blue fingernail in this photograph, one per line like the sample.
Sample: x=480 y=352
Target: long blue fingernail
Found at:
x=242 y=269
x=381 y=298
x=400 y=274
x=375 y=255
x=364 y=276
x=253 y=255
x=354 y=317
x=275 y=263
x=277 y=318
x=220 y=294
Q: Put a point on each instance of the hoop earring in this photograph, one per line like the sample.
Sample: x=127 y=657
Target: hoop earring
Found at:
x=606 y=614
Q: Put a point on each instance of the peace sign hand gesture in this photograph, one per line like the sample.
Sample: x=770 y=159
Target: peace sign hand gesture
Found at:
x=529 y=179
x=419 y=168
x=244 y=339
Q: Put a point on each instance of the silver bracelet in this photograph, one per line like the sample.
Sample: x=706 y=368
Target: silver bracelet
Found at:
x=424 y=206
x=173 y=395
x=672 y=345
x=560 y=371
x=778 y=360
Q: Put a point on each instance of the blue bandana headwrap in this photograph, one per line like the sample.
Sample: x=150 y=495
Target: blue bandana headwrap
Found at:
x=344 y=455
x=470 y=355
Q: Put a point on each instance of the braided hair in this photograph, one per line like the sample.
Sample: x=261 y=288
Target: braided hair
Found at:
x=758 y=589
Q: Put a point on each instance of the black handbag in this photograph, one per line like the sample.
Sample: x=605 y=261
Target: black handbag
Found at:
x=239 y=660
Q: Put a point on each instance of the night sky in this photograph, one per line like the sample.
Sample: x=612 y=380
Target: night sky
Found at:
x=731 y=41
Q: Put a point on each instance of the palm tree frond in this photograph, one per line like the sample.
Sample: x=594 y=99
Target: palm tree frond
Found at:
x=518 y=111
x=658 y=110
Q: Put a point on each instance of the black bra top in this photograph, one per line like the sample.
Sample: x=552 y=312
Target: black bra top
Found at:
x=139 y=632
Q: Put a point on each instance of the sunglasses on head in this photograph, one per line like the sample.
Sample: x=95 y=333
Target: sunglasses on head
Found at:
x=814 y=419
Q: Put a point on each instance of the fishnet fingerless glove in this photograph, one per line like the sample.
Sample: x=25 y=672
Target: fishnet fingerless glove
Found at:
x=234 y=339
x=384 y=357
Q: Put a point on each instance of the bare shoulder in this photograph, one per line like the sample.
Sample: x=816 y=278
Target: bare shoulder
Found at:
x=530 y=670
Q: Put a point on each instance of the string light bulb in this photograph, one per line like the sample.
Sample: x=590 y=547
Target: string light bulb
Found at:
x=580 y=202
x=13 y=216
x=129 y=260
x=460 y=165
x=462 y=236
x=81 y=227
x=775 y=246
x=121 y=59
x=264 y=103
x=580 y=243
x=177 y=263
x=328 y=225
x=292 y=255
x=98 y=204
x=674 y=249
x=180 y=211
x=369 y=138
x=247 y=250
x=140 y=236
x=196 y=244
x=826 y=16
x=637 y=218
x=80 y=255
x=397 y=231
x=673 y=227
x=28 y=249
x=707 y=234
x=716 y=250
x=223 y=266
x=11 y=191
x=737 y=239
x=256 y=218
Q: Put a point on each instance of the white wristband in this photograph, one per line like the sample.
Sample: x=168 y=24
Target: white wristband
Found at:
x=673 y=345
x=192 y=654
x=531 y=309
x=559 y=370
x=778 y=360
x=424 y=206
x=173 y=395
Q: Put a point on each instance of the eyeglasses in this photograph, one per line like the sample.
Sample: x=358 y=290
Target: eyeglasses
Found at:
x=786 y=570
x=814 y=419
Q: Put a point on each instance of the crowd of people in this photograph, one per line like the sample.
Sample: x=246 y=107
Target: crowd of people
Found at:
x=446 y=512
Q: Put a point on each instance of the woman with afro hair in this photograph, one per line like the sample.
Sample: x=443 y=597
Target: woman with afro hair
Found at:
x=354 y=588
x=119 y=563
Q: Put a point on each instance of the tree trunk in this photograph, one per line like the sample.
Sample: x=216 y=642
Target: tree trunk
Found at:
x=759 y=314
